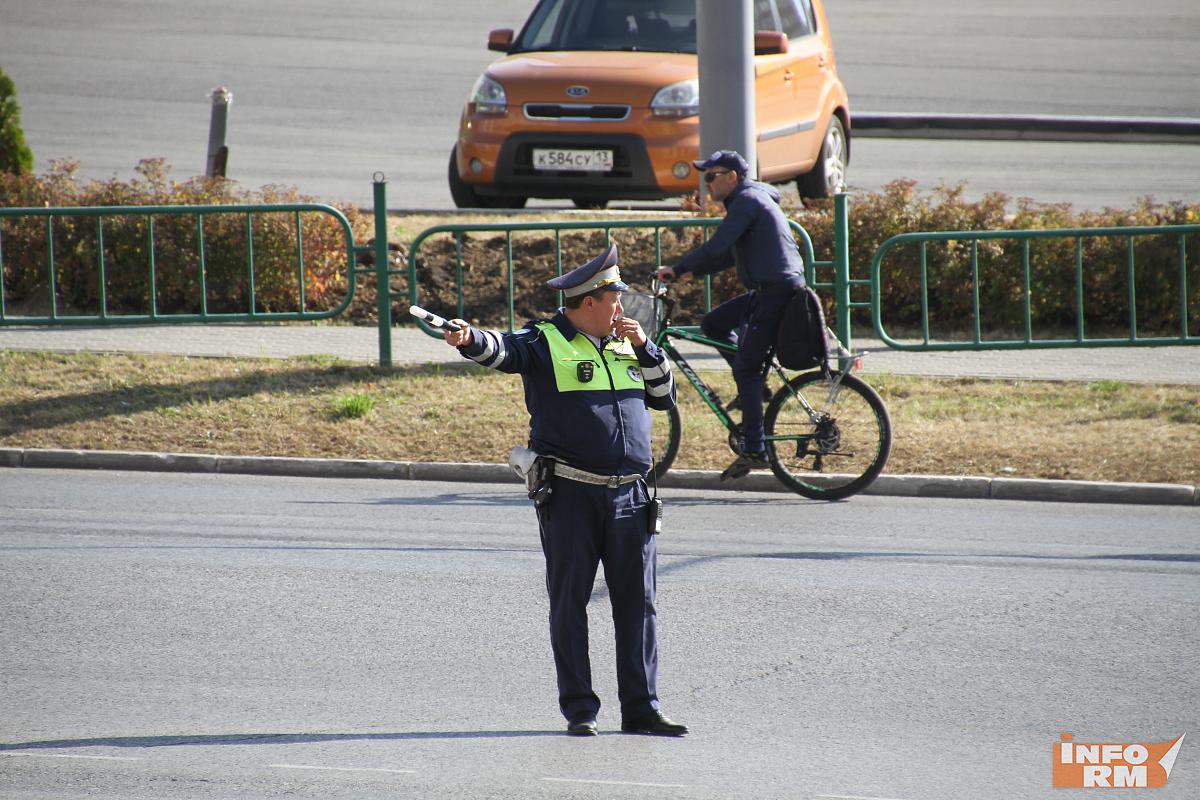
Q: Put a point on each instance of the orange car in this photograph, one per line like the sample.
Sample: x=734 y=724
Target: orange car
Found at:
x=599 y=99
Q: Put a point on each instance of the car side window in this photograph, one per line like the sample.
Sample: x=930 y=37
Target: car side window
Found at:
x=764 y=16
x=796 y=17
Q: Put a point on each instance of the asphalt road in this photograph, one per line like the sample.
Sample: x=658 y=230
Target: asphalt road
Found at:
x=325 y=96
x=232 y=636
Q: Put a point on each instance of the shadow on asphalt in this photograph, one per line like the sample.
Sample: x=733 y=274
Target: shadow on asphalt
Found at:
x=456 y=499
x=207 y=740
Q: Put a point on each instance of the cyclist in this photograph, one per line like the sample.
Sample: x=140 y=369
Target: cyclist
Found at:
x=755 y=236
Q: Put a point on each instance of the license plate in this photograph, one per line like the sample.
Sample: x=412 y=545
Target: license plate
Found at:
x=584 y=160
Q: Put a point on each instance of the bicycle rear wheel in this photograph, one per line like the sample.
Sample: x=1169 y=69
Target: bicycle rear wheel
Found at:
x=664 y=439
x=837 y=448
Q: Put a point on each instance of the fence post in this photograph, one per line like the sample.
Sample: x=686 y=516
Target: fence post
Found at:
x=383 y=293
x=841 y=267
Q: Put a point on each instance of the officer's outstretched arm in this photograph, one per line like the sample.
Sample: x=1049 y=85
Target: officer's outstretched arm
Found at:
x=506 y=352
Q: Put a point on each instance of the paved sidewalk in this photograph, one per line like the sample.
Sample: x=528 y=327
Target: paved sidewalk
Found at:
x=1177 y=365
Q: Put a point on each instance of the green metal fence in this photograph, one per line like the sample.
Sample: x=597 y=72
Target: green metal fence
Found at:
x=829 y=275
x=150 y=270
x=1011 y=259
x=146 y=259
x=832 y=276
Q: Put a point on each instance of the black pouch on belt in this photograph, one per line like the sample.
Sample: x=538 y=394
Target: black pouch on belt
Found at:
x=543 y=487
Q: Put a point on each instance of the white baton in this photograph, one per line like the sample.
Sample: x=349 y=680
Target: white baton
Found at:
x=432 y=319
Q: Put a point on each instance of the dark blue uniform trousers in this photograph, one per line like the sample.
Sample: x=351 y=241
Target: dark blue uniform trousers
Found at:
x=755 y=316
x=582 y=526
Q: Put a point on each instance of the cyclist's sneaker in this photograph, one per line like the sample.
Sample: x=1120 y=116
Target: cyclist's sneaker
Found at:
x=741 y=466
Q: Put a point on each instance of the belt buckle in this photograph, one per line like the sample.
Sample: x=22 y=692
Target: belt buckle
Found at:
x=613 y=482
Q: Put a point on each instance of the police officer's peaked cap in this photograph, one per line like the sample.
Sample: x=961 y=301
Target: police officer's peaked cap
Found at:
x=601 y=272
x=729 y=159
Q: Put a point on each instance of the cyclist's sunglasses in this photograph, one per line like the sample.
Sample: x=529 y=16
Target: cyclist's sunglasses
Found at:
x=711 y=175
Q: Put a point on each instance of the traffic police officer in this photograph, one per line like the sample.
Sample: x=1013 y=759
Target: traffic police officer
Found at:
x=590 y=375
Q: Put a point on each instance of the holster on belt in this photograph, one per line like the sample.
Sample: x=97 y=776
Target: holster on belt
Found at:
x=542 y=486
x=537 y=471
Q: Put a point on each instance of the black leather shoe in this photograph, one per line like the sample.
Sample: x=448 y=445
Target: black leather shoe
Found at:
x=583 y=727
x=741 y=467
x=654 y=724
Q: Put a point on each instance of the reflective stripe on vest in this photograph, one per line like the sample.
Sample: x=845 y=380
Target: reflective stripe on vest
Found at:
x=567 y=356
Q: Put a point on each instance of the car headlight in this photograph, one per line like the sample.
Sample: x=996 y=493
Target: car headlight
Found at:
x=677 y=100
x=488 y=97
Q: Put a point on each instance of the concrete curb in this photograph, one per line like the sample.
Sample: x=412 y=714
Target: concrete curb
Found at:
x=944 y=486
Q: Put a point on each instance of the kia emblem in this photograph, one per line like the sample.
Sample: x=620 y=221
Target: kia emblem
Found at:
x=577 y=91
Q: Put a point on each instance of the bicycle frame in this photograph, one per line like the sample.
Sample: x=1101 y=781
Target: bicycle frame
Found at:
x=797 y=448
x=669 y=332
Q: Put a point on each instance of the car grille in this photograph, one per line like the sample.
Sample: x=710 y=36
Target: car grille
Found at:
x=576 y=111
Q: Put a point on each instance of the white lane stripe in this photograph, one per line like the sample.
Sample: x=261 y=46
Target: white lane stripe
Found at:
x=344 y=769
x=64 y=755
x=619 y=783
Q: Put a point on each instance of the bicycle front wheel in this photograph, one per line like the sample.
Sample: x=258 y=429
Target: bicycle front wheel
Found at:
x=827 y=437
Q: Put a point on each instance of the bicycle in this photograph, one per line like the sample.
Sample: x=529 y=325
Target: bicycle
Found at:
x=828 y=433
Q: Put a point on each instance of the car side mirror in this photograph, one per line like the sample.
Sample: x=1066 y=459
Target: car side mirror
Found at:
x=500 y=40
x=770 y=43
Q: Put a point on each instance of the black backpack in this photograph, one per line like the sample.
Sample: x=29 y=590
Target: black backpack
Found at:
x=800 y=343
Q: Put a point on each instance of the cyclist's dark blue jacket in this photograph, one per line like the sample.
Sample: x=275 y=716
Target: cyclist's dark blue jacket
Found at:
x=755 y=235
x=604 y=430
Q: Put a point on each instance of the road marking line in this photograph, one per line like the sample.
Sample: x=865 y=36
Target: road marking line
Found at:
x=61 y=755
x=345 y=769
x=619 y=783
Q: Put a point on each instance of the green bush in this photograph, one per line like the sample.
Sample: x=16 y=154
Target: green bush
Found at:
x=15 y=157
x=874 y=218
x=124 y=243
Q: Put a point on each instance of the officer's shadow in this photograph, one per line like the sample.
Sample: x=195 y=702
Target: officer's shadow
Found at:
x=245 y=739
x=516 y=498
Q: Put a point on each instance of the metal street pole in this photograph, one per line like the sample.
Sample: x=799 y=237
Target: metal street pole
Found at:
x=218 y=153
x=725 y=50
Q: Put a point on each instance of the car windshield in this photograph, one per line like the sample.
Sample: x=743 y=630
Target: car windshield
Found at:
x=655 y=25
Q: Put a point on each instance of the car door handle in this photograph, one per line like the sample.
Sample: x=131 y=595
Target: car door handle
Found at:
x=787 y=75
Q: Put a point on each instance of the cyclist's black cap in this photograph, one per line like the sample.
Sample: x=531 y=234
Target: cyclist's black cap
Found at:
x=601 y=272
x=729 y=159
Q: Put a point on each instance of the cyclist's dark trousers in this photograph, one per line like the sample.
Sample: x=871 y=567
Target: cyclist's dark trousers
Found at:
x=750 y=321
x=582 y=526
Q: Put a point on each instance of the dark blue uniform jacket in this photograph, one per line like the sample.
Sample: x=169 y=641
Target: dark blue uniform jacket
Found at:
x=606 y=430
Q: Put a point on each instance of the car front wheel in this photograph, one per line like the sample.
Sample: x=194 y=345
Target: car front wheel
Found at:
x=828 y=175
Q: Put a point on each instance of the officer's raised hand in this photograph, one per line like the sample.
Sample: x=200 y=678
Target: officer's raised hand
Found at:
x=461 y=337
x=629 y=328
